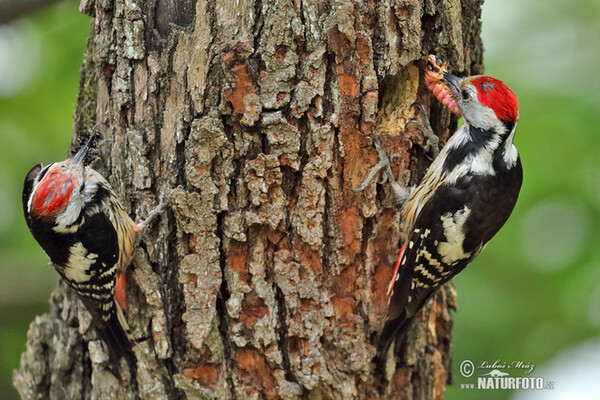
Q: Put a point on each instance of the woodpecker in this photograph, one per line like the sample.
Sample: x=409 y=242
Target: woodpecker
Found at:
x=76 y=217
x=465 y=197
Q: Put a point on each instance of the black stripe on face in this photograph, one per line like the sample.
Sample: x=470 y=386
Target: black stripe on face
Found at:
x=478 y=138
x=498 y=161
x=102 y=193
x=508 y=126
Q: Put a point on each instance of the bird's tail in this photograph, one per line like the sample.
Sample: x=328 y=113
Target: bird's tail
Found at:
x=116 y=337
x=393 y=332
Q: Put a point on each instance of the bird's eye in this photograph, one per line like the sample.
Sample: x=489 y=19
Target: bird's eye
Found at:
x=465 y=94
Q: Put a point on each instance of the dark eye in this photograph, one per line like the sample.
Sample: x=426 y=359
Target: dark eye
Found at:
x=465 y=94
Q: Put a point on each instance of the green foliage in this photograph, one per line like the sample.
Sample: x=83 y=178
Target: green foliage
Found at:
x=35 y=126
x=535 y=290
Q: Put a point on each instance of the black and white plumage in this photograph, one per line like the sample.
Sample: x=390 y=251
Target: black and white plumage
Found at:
x=75 y=216
x=466 y=196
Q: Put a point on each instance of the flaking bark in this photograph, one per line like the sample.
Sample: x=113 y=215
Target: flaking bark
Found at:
x=267 y=276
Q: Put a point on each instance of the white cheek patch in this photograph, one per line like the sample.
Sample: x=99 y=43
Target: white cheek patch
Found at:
x=482 y=117
x=79 y=263
x=510 y=151
x=452 y=250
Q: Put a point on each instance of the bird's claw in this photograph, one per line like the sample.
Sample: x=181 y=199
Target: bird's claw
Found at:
x=388 y=176
x=384 y=163
x=433 y=142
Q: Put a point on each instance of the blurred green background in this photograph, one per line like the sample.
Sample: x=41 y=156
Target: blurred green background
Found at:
x=533 y=295
x=40 y=57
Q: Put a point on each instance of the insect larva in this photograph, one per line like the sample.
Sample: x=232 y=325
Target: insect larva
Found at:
x=433 y=79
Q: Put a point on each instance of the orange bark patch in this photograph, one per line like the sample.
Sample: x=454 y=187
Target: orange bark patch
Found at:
x=236 y=259
x=235 y=58
x=254 y=371
x=363 y=50
x=344 y=303
x=241 y=87
x=308 y=257
x=345 y=283
x=205 y=374
x=306 y=305
x=349 y=225
x=253 y=309
x=344 y=311
x=344 y=306
x=192 y=278
x=371 y=96
x=348 y=85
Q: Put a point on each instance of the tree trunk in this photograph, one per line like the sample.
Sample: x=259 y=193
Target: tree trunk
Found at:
x=267 y=277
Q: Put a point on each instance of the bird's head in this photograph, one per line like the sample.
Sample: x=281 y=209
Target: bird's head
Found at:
x=49 y=190
x=483 y=101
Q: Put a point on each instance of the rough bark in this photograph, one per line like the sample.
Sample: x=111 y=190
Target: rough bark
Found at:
x=267 y=277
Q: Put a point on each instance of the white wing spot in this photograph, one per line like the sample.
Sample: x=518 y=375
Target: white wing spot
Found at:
x=452 y=250
x=79 y=263
x=65 y=229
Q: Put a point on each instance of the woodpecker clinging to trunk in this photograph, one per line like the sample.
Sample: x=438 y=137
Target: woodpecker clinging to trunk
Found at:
x=75 y=216
x=466 y=196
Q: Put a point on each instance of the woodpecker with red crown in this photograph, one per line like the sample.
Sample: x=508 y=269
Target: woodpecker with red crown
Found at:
x=75 y=216
x=466 y=196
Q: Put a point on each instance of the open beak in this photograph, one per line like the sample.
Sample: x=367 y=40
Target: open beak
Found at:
x=452 y=81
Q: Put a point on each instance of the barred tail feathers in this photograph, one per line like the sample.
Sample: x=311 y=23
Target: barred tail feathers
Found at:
x=117 y=339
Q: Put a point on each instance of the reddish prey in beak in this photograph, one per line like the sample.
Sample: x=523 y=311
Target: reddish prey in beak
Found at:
x=434 y=80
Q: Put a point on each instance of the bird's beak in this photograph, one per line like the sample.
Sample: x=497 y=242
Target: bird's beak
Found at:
x=452 y=81
x=83 y=150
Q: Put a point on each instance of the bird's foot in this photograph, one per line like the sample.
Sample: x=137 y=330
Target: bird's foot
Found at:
x=384 y=163
x=422 y=124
